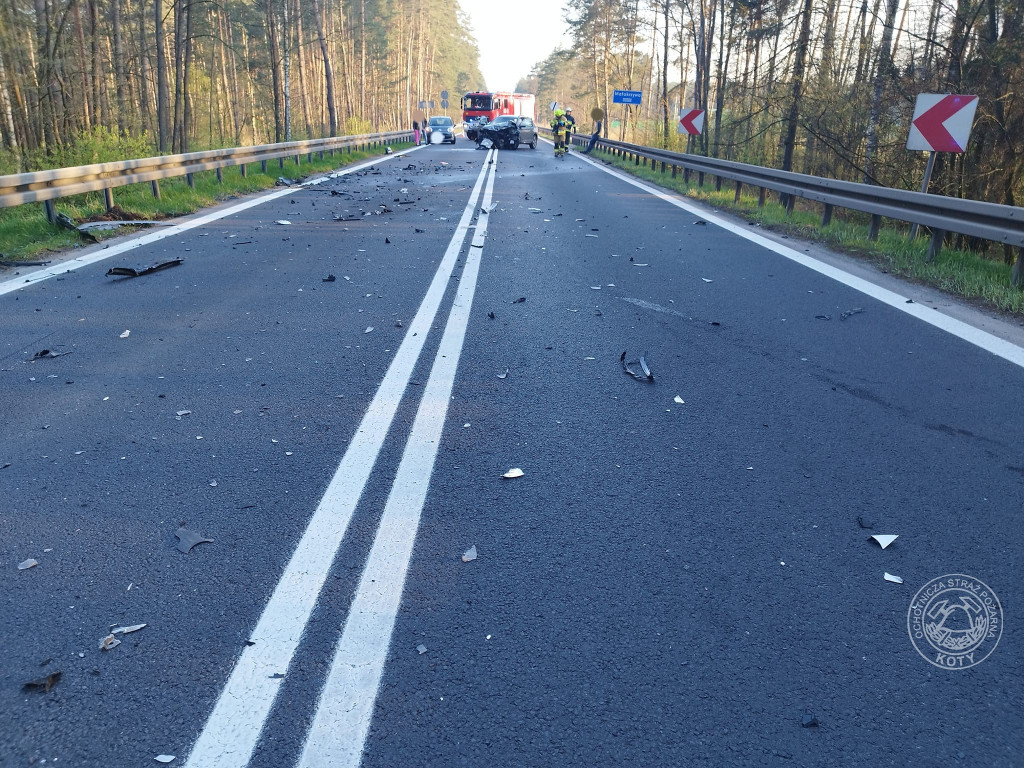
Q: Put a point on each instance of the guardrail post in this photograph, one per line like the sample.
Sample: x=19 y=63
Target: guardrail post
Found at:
x=51 y=211
x=280 y=163
x=191 y=180
x=718 y=183
x=675 y=169
x=935 y=244
x=263 y=165
x=220 y=175
x=876 y=222
x=245 y=170
x=700 y=179
x=309 y=157
x=663 y=166
x=739 y=188
x=762 y=195
x=108 y=198
x=790 y=203
x=686 y=175
x=154 y=186
x=826 y=215
x=298 y=160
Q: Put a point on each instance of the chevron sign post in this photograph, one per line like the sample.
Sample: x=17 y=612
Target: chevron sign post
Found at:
x=691 y=121
x=942 y=122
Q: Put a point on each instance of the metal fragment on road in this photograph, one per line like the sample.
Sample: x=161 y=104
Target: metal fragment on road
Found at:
x=469 y=555
x=47 y=354
x=43 y=684
x=851 y=312
x=513 y=473
x=109 y=642
x=893 y=579
x=26 y=564
x=127 y=630
x=188 y=539
x=884 y=539
x=421 y=649
x=106 y=225
x=133 y=272
x=642 y=362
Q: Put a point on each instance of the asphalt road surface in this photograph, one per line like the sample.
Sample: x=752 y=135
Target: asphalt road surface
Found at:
x=682 y=575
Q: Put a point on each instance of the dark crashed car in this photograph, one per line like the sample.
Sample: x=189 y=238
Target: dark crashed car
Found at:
x=502 y=133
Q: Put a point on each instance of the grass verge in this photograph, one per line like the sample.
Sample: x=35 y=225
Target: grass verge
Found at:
x=25 y=234
x=961 y=273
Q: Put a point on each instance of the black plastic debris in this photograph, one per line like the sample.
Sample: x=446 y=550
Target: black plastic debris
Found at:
x=702 y=223
x=420 y=231
x=65 y=221
x=42 y=684
x=387 y=240
x=132 y=272
x=329 y=279
x=866 y=524
x=48 y=354
x=283 y=182
x=809 y=720
x=822 y=317
x=851 y=312
x=491 y=315
x=644 y=374
x=188 y=539
x=520 y=300
x=12 y=263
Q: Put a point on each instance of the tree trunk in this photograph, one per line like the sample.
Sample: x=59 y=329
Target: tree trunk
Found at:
x=798 y=81
x=884 y=75
x=162 y=95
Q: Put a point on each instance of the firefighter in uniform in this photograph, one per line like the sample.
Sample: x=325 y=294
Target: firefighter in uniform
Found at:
x=559 y=127
x=571 y=129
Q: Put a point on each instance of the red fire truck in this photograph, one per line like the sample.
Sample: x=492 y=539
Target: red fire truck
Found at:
x=481 y=107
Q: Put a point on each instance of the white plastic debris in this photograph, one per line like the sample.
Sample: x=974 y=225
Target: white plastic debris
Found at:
x=893 y=579
x=164 y=758
x=369 y=329
x=503 y=374
x=30 y=563
x=109 y=642
x=282 y=221
x=126 y=334
x=514 y=473
x=706 y=280
x=126 y=630
x=183 y=413
x=469 y=555
x=678 y=399
x=421 y=649
x=885 y=539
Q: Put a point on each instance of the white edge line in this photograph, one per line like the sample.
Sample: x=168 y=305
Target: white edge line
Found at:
x=979 y=338
x=24 y=281
x=234 y=726
x=342 y=720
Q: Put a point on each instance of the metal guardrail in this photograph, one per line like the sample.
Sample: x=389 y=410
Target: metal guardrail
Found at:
x=988 y=221
x=46 y=186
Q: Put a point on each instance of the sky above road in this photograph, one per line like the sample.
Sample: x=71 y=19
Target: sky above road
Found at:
x=512 y=42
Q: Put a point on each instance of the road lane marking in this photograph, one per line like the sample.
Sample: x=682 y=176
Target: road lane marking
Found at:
x=342 y=720
x=979 y=338
x=233 y=728
x=23 y=281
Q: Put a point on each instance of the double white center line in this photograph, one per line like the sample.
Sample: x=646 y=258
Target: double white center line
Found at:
x=342 y=719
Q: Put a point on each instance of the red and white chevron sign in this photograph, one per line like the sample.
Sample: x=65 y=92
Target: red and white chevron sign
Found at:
x=691 y=121
x=942 y=122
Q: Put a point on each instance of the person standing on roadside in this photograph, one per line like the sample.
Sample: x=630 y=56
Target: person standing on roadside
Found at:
x=593 y=138
x=559 y=127
x=571 y=127
x=416 y=131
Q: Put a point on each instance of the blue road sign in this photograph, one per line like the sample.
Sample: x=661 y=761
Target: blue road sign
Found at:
x=626 y=97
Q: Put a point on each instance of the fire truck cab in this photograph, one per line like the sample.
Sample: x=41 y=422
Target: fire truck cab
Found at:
x=481 y=107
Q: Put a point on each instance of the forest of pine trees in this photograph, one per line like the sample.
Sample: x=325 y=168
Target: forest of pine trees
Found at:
x=824 y=87
x=91 y=80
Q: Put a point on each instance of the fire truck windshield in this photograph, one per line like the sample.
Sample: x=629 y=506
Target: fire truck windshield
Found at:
x=479 y=102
